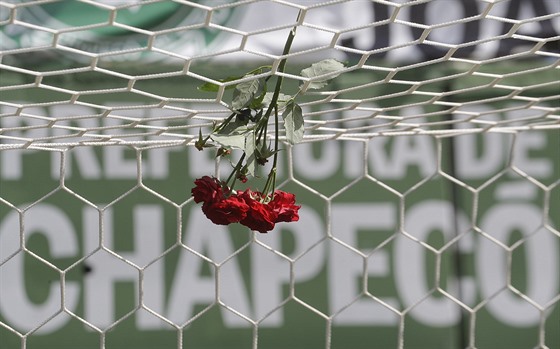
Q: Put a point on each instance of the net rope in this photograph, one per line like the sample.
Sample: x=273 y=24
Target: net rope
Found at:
x=450 y=112
x=371 y=102
x=494 y=246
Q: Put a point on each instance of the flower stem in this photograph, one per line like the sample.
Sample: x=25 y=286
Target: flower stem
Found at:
x=233 y=174
x=275 y=159
x=270 y=184
x=262 y=130
x=281 y=68
x=218 y=129
x=225 y=122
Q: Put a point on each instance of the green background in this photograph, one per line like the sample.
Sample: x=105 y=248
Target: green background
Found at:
x=302 y=328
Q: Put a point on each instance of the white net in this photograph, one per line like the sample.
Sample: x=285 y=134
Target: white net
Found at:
x=460 y=76
x=428 y=176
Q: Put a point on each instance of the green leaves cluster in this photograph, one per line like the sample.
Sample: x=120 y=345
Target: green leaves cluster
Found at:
x=252 y=106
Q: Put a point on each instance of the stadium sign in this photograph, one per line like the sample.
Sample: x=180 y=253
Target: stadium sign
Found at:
x=62 y=230
x=184 y=32
x=129 y=31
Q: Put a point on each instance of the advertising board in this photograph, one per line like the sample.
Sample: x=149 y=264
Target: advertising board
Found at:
x=506 y=221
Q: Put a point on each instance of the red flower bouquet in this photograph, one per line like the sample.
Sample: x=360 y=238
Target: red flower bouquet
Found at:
x=251 y=208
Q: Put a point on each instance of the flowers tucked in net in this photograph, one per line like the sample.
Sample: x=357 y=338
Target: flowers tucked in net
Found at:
x=254 y=109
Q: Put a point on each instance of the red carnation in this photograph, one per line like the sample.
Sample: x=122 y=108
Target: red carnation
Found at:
x=226 y=211
x=207 y=190
x=223 y=206
x=284 y=205
x=260 y=216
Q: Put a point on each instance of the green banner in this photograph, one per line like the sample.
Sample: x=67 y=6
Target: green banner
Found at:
x=437 y=239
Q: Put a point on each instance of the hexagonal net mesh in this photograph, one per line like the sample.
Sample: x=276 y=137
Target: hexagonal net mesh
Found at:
x=428 y=175
x=372 y=100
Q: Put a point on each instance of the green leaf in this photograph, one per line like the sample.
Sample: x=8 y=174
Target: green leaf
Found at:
x=293 y=123
x=256 y=103
x=250 y=146
x=245 y=92
x=211 y=87
x=238 y=125
x=321 y=68
x=230 y=141
x=282 y=100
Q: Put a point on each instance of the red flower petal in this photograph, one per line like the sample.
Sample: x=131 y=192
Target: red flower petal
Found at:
x=284 y=205
x=207 y=189
x=260 y=216
x=226 y=211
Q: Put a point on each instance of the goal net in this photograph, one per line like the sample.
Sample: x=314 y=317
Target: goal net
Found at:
x=428 y=174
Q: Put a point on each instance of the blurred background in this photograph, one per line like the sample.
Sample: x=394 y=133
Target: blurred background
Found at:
x=428 y=178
